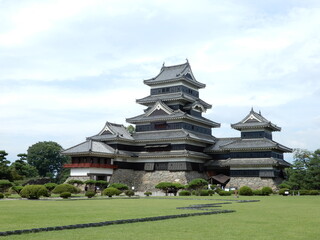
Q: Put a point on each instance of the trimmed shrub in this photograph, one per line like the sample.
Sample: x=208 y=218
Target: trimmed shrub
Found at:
x=90 y=194
x=50 y=186
x=119 y=186
x=75 y=181
x=217 y=190
x=224 y=193
x=197 y=184
x=17 y=189
x=129 y=193
x=195 y=193
x=102 y=184
x=5 y=185
x=148 y=194
x=184 y=193
x=65 y=195
x=204 y=192
x=90 y=182
x=210 y=192
x=257 y=192
x=111 y=191
x=313 y=192
x=34 y=191
x=245 y=191
x=282 y=191
x=7 y=194
x=65 y=188
x=284 y=185
x=266 y=191
x=1 y=195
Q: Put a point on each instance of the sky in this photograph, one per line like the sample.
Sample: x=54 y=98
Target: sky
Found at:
x=68 y=66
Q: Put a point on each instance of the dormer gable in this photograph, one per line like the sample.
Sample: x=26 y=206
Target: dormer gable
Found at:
x=159 y=108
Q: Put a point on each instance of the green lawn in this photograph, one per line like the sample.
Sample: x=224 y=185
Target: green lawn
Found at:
x=274 y=217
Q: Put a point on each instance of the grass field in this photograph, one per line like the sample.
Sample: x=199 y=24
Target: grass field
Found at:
x=274 y=217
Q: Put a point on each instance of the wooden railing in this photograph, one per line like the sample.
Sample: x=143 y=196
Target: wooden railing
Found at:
x=88 y=165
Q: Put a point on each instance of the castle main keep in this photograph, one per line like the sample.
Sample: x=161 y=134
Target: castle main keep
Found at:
x=173 y=142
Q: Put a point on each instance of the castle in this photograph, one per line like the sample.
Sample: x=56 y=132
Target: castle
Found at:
x=173 y=142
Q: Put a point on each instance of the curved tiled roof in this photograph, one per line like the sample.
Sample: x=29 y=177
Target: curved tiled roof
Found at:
x=175 y=73
x=172 y=97
x=245 y=162
x=172 y=135
x=238 y=144
x=255 y=120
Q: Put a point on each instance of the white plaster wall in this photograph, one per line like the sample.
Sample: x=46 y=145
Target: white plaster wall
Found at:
x=85 y=171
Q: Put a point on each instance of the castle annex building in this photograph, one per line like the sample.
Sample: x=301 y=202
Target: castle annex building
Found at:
x=173 y=142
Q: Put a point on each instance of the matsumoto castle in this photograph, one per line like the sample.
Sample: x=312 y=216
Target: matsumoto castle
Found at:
x=173 y=142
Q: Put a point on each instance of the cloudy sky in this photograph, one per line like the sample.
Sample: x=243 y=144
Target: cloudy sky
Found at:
x=67 y=67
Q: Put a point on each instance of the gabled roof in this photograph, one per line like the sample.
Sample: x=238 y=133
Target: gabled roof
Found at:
x=159 y=108
x=168 y=97
x=172 y=135
x=247 y=162
x=238 y=144
x=89 y=147
x=112 y=131
x=175 y=73
x=255 y=120
x=152 y=116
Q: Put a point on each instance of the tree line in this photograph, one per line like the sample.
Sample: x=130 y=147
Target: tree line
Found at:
x=43 y=159
x=304 y=172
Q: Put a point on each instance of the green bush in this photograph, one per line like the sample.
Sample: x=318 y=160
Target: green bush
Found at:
x=17 y=189
x=111 y=191
x=90 y=182
x=65 y=195
x=217 y=190
x=7 y=194
x=119 y=186
x=75 y=181
x=257 y=192
x=129 y=193
x=195 y=193
x=1 y=195
x=284 y=185
x=304 y=192
x=283 y=190
x=65 y=188
x=197 y=184
x=245 y=191
x=266 y=191
x=102 y=184
x=90 y=194
x=210 y=192
x=204 y=192
x=313 y=192
x=50 y=186
x=184 y=193
x=148 y=194
x=34 y=191
x=5 y=185
x=224 y=193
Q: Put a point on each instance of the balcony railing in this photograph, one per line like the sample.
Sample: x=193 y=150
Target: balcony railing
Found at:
x=88 y=165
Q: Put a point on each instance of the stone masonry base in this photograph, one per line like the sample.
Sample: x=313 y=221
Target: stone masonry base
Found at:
x=254 y=182
x=146 y=181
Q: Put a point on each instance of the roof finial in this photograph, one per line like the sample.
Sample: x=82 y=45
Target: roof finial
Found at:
x=187 y=60
x=163 y=64
x=251 y=110
x=260 y=112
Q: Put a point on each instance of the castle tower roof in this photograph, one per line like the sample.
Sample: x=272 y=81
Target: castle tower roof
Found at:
x=181 y=72
x=255 y=120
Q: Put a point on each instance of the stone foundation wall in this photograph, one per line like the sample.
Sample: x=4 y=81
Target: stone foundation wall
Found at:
x=146 y=181
x=254 y=182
